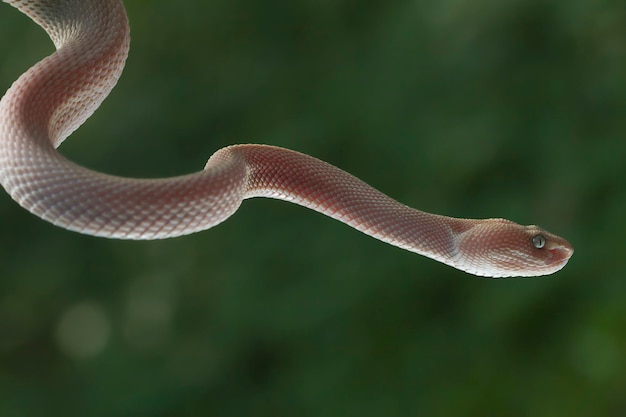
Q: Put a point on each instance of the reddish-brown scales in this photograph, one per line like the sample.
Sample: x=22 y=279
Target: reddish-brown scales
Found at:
x=58 y=94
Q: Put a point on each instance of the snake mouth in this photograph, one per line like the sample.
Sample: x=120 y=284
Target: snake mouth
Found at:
x=561 y=254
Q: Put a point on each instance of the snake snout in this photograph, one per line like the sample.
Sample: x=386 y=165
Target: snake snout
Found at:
x=561 y=253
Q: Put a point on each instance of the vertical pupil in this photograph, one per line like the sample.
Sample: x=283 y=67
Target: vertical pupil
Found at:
x=539 y=241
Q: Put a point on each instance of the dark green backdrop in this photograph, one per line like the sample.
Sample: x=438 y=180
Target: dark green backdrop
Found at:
x=485 y=108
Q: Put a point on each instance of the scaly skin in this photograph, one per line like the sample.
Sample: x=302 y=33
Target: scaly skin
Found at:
x=53 y=98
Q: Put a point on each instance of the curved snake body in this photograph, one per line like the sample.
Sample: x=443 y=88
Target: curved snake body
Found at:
x=53 y=98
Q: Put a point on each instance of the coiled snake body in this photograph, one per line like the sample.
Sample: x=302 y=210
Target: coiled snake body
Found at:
x=53 y=98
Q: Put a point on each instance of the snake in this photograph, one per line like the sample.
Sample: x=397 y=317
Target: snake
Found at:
x=56 y=95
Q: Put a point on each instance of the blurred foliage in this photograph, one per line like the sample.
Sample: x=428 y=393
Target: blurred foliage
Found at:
x=473 y=109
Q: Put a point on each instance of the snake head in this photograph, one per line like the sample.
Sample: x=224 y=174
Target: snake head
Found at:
x=501 y=248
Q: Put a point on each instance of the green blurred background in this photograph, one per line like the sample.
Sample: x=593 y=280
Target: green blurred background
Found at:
x=487 y=108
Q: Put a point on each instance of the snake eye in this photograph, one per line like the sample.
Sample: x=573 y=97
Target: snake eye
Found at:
x=539 y=241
